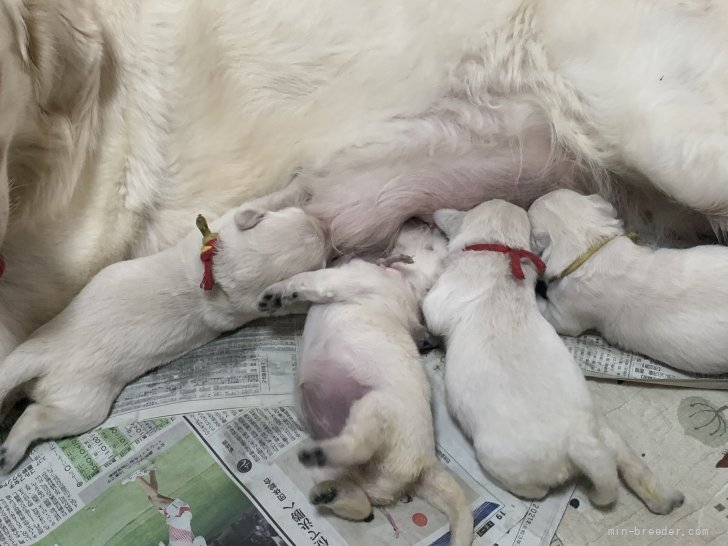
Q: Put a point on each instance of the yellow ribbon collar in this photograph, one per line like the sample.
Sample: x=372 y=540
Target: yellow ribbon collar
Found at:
x=588 y=253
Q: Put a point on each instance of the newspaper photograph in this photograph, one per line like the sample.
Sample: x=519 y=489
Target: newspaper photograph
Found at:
x=228 y=477
x=204 y=451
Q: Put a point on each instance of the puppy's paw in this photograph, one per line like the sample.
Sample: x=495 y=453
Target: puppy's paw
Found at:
x=666 y=503
x=277 y=296
x=312 y=455
x=7 y=462
x=271 y=300
x=323 y=493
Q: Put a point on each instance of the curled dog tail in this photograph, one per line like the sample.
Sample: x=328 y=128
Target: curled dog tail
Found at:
x=638 y=475
x=439 y=488
x=592 y=457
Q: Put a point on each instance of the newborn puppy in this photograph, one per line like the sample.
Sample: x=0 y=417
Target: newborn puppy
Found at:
x=361 y=389
x=510 y=381
x=671 y=305
x=136 y=315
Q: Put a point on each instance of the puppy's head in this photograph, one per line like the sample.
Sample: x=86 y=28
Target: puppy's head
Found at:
x=258 y=248
x=428 y=248
x=566 y=219
x=495 y=221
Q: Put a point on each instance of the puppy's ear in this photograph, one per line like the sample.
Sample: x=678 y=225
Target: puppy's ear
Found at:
x=601 y=204
x=449 y=221
x=540 y=241
x=248 y=218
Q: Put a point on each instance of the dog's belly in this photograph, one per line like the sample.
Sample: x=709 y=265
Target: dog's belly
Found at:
x=264 y=91
x=325 y=403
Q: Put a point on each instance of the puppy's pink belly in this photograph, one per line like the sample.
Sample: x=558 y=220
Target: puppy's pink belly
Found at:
x=325 y=403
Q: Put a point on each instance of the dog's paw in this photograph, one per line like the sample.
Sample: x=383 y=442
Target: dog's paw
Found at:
x=7 y=463
x=312 y=456
x=276 y=297
x=323 y=493
x=666 y=503
x=271 y=301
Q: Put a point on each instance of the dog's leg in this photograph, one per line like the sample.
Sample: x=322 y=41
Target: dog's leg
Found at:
x=323 y=286
x=639 y=477
x=361 y=438
x=293 y=195
x=344 y=498
x=531 y=492
x=596 y=462
x=386 y=488
x=41 y=421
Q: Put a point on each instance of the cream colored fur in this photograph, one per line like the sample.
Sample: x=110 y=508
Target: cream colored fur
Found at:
x=360 y=330
x=510 y=381
x=121 y=119
x=669 y=304
x=139 y=314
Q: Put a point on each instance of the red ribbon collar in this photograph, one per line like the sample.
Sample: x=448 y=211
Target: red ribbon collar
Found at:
x=515 y=255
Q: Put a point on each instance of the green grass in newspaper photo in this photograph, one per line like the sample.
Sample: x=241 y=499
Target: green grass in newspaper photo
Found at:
x=221 y=514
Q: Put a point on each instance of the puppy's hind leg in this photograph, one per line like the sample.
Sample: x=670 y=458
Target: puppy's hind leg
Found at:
x=595 y=460
x=40 y=421
x=639 y=477
x=360 y=439
x=344 y=498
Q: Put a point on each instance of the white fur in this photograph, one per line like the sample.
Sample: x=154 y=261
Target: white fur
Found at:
x=669 y=304
x=121 y=118
x=139 y=314
x=360 y=330
x=510 y=381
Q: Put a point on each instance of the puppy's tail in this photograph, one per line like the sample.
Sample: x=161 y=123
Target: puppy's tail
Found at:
x=638 y=475
x=592 y=457
x=439 y=487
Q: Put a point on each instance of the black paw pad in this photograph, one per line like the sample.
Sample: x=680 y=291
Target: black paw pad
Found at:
x=312 y=457
x=325 y=497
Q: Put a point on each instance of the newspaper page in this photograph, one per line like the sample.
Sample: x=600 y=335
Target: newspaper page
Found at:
x=252 y=367
x=599 y=359
x=228 y=463
x=255 y=367
x=228 y=477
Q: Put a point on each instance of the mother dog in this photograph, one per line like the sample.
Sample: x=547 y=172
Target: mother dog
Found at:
x=120 y=120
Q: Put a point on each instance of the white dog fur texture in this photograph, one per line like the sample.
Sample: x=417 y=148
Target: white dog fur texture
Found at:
x=668 y=304
x=510 y=380
x=121 y=119
x=139 y=314
x=361 y=388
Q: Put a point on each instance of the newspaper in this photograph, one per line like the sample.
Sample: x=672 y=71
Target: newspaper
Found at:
x=599 y=359
x=254 y=367
x=230 y=477
x=215 y=436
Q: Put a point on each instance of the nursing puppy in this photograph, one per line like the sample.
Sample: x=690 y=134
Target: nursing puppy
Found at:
x=138 y=314
x=361 y=389
x=510 y=381
x=669 y=304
